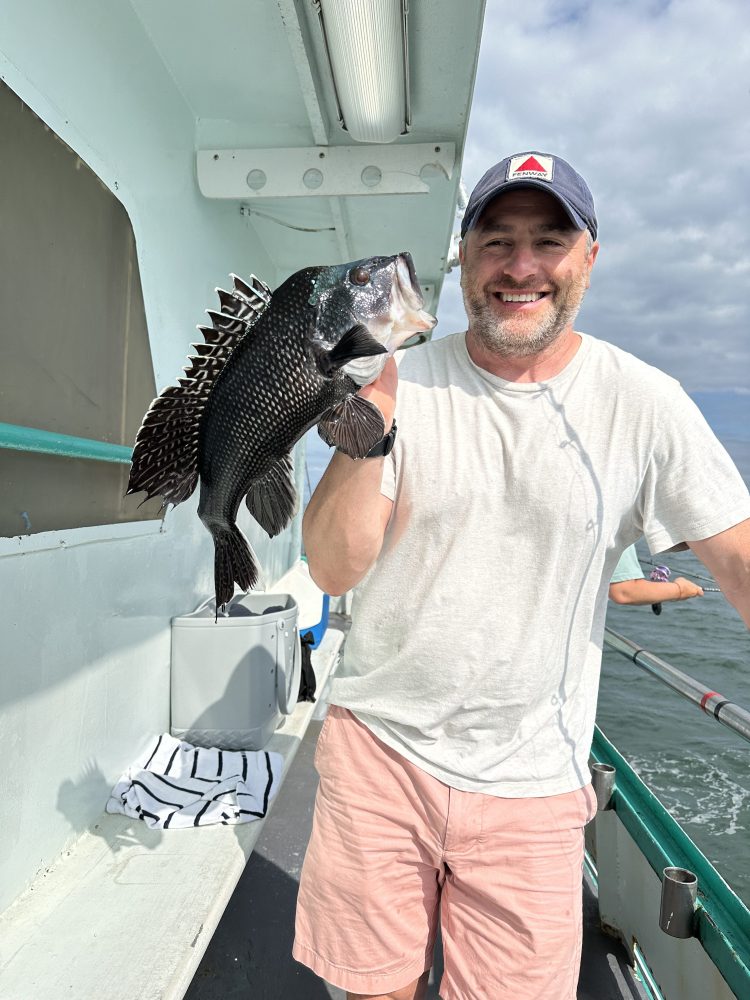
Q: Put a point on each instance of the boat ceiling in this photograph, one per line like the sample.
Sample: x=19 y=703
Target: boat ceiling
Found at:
x=254 y=75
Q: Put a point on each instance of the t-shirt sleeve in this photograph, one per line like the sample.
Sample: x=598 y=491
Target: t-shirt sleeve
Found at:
x=691 y=489
x=628 y=568
x=388 y=481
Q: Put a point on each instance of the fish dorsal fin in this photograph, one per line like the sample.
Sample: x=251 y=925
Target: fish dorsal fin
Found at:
x=253 y=291
x=354 y=426
x=244 y=298
x=272 y=499
x=241 y=307
x=165 y=455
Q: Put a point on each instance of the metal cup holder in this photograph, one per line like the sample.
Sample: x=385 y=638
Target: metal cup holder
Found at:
x=679 y=891
x=603 y=783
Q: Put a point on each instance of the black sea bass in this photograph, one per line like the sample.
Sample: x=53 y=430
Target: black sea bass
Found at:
x=271 y=367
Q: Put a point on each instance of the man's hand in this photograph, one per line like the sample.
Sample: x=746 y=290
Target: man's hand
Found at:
x=686 y=589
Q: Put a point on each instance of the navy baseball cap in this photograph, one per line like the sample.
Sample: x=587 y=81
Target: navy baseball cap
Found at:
x=538 y=170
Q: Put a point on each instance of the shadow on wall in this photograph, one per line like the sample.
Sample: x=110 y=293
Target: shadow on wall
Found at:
x=78 y=800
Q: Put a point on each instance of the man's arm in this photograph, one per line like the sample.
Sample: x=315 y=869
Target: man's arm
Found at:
x=345 y=520
x=651 y=592
x=727 y=556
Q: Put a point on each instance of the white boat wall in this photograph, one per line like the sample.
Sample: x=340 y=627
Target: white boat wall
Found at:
x=187 y=130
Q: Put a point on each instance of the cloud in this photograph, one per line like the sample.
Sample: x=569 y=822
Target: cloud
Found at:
x=649 y=101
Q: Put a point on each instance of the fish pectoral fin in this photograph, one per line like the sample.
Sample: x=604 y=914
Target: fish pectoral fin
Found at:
x=353 y=426
x=272 y=499
x=355 y=343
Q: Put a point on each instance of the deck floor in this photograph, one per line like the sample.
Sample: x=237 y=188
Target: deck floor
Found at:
x=250 y=953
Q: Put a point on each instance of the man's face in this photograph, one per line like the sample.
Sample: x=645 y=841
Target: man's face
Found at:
x=524 y=247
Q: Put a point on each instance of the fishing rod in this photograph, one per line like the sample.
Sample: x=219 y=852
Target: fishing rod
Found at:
x=661 y=574
x=695 y=576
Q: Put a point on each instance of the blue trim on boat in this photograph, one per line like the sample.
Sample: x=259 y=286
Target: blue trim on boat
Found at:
x=722 y=919
x=18 y=438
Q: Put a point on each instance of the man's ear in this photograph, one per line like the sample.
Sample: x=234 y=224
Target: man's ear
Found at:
x=591 y=258
x=461 y=252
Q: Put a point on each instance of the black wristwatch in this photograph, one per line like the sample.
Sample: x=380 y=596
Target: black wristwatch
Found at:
x=385 y=445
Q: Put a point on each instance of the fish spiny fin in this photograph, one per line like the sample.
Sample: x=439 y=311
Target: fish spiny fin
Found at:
x=354 y=426
x=165 y=455
x=272 y=499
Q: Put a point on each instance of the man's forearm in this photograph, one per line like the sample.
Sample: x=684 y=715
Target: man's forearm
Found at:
x=345 y=522
x=650 y=592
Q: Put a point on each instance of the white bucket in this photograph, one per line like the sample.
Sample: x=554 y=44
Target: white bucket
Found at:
x=233 y=679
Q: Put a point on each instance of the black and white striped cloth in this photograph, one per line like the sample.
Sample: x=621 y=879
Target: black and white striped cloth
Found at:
x=175 y=785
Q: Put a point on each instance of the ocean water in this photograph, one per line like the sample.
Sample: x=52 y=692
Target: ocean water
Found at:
x=699 y=769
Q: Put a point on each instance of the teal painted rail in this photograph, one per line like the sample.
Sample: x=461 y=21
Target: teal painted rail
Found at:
x=723 y=920
x=50 y=443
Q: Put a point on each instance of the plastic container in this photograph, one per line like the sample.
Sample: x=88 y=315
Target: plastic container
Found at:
x=313 y=602
x=233 y=679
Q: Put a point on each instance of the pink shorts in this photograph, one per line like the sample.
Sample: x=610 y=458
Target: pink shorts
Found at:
x=392 y=848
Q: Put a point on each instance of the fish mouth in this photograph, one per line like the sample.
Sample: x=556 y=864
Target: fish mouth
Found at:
x=411 y=293
x=408 y=282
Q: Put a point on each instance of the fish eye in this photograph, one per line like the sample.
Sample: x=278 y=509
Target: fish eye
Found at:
x=359 y=276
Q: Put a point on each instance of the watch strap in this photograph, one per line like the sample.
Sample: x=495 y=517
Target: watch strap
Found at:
x=384 y=445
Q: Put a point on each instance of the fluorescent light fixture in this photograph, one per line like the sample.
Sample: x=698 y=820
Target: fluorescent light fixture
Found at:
x=366 y=45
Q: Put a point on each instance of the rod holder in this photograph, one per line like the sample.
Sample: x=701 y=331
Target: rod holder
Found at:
x=679 y=891
x=603 y=783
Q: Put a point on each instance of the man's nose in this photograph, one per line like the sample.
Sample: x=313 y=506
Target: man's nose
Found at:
x=521 y=263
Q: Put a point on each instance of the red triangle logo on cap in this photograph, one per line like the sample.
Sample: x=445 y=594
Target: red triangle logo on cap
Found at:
x=531 y=164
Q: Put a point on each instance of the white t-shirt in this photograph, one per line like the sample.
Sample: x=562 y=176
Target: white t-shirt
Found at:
x=476 y=637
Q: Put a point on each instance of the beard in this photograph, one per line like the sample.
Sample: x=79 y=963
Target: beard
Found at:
x=519 y=336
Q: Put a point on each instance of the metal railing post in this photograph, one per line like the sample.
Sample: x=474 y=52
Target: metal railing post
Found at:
x=726 y=712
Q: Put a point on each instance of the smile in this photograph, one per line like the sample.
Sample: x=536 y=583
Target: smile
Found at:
x=521 y=296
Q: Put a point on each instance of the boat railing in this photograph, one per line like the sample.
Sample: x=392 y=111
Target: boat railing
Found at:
x=695 y=900
x=18 y=438
x=715 y=705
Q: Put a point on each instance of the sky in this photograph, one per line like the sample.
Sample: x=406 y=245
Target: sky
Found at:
x=650 y=102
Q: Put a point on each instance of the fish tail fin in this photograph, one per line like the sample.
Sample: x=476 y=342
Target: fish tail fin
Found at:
x=233 y=562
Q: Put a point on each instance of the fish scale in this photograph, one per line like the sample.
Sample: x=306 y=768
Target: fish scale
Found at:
x=271 y=367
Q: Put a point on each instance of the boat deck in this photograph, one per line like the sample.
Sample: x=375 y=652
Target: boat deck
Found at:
x=250 y=952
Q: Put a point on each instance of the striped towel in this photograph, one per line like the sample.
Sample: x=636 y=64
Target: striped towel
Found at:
x=176 y=785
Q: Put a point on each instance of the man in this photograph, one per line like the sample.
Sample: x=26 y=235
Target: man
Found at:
x=453 y=762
